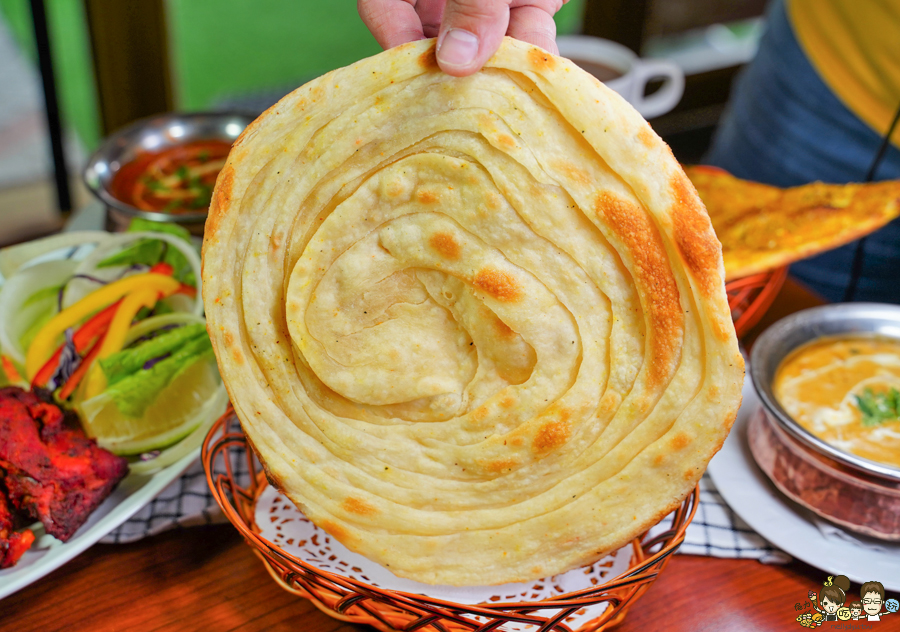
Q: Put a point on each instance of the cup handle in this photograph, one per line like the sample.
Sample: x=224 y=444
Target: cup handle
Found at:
x=668 y=95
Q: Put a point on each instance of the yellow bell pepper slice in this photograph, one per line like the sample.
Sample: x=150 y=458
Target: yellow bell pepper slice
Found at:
x=45 y=343
x=115 y=336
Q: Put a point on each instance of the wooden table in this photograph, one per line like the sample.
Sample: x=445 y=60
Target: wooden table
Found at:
x=208 y=579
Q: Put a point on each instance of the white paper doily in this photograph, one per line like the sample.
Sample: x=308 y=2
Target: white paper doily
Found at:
x=281 y=523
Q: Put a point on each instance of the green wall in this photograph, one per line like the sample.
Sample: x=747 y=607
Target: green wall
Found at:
x=219 y=48
x=568 y=20
x=225 y=48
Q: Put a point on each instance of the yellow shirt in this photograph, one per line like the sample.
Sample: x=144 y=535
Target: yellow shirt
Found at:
x=855 y=47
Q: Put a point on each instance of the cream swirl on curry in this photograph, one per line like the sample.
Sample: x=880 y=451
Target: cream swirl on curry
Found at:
x=846 y=391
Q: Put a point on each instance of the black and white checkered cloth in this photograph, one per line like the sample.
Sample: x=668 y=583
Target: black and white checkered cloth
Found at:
x=186 y=502
x=716 y=530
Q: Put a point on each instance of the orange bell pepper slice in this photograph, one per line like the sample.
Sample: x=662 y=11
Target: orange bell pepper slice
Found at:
x=76 y=377
x=10 y=369
x=95 y=326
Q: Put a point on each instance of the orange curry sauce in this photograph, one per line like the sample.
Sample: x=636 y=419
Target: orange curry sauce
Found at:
x=818 y=385
x=175 y=180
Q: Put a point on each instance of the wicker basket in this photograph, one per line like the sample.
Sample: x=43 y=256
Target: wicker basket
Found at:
x=750 y=297
x=358 y=602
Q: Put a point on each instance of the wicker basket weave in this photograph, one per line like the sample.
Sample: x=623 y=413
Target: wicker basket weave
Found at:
x=355 y=601
x=749 y=298
x=358 y=602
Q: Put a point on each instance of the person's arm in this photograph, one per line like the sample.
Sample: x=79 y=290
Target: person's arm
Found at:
x=468 y=31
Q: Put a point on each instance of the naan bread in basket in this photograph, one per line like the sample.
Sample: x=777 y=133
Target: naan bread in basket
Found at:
x=475 y=328
x=762 y=227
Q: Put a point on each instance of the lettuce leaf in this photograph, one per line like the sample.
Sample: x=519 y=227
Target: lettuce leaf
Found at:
x=144 y=252
x=42 y=295
x=151 y=251
x=36 y=325
x=48 y=295
x=123 y=363
x=139 y=224
x=135 y=392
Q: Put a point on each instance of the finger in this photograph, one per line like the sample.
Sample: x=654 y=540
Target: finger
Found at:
x=471 y=31
x=533 y=25
x=430 y=14
x=392 y=22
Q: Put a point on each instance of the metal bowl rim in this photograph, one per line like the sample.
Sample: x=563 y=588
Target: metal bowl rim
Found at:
x=160 y=121
x=767 y=342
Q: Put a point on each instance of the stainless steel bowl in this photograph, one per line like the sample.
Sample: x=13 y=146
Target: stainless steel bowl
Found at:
x=791 y=332
x=154 y=134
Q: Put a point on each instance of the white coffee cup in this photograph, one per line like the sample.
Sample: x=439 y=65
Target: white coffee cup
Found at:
x=634 y=73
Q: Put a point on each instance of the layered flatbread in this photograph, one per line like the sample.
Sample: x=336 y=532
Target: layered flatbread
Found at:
x=475 y=328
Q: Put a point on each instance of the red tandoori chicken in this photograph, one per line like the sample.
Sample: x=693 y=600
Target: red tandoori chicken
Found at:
x=49 y=471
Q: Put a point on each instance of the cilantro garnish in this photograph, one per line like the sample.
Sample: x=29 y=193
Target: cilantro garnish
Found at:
x=878 y=408
x=155 y=185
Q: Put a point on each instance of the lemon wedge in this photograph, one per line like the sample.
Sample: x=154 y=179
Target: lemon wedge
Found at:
x=182 y=406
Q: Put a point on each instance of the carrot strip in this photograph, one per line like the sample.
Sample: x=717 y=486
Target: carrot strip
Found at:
x=188 y=290
x=93 y=327
x=163 y=268
x=10 y=369
x=76 y=377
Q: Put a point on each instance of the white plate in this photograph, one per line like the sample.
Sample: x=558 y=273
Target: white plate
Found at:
x=132 y=494
x=789 y=526
x=48 y=553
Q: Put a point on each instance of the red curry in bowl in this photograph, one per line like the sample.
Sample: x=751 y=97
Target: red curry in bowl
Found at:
x=174 y=180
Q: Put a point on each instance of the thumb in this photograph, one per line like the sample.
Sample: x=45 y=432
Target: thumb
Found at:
x=471 y=31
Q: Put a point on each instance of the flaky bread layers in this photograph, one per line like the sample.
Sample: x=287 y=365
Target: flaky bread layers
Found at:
x=475 y=328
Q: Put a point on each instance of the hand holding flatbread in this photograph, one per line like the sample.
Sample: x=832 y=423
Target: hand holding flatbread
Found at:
x=475 y=328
